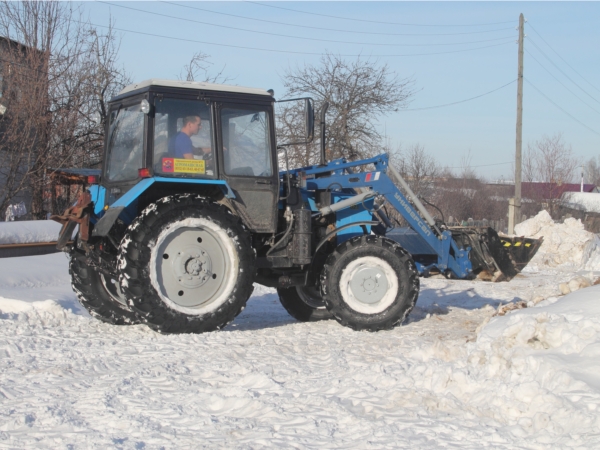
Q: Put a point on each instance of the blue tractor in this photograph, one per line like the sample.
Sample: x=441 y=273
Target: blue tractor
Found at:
x=190 y=210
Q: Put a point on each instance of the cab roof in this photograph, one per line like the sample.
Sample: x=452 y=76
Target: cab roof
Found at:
x=195 y=85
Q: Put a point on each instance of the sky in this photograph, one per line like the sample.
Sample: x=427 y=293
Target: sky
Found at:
x=458 y=53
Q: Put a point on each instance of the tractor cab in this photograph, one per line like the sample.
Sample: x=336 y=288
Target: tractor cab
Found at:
x=197 y=133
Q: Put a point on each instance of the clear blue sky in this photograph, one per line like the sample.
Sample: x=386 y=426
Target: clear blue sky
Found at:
x=563 y=37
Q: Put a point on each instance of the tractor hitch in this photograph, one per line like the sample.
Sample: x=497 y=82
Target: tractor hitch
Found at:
x=79 y=214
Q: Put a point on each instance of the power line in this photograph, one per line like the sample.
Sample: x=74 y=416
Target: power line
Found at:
x=461 y=101
x=568 y=114
x=375 y=21
x=299 y=37
x=333 y=29
x=483 y=165
x=535 y=31
x=296 y=52
x=560 y=70
x=563 y=85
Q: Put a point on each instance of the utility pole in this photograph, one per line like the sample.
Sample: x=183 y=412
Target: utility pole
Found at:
x=514 y=204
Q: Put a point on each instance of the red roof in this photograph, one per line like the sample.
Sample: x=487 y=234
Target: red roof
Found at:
x=547 y=191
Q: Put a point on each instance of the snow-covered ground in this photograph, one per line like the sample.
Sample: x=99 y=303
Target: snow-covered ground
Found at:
x=455 y=376
x=27 y=231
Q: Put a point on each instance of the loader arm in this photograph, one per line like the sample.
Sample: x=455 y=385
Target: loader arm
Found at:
x=461 y=252
x=449 y=256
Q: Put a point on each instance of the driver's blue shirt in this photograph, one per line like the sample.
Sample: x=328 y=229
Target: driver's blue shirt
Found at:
x=180 y=145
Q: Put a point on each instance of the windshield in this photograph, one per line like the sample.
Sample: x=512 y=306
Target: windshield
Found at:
x=126 y=145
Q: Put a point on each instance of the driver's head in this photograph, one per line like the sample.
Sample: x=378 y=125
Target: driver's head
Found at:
x=191 y=125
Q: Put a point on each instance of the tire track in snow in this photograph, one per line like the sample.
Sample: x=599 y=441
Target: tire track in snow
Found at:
x=265 y=380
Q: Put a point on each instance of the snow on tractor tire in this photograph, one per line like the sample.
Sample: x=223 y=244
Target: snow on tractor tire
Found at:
x=186 y=265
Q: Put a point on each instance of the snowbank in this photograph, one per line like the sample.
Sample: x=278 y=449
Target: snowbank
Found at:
x=566 y=245
x=27 y=231
x=530 y=380
x=588 y=201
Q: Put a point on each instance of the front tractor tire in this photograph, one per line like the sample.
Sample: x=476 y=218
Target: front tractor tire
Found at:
x=370 y=283
x=186 y=265
x=100 y=294
x=304 y=303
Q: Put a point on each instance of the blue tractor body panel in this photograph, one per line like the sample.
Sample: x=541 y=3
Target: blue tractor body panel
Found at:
x=339 y=173
x=357 y=213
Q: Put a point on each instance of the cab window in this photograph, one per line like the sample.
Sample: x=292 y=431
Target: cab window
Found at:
x=126 y=143
x=183 y=144
x=246 y=142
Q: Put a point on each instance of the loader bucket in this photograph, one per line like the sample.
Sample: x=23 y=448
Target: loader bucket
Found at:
x=494 y=257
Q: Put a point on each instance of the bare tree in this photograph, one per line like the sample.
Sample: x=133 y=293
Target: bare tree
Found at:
x=105 y=79
x=359 y=92
x=198 y=69
x=58 y=75
x=592 y=171
x=550 y=162
x=554 y=160
x=418 y=168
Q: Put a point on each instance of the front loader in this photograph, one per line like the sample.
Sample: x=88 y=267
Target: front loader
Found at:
x=177 y=242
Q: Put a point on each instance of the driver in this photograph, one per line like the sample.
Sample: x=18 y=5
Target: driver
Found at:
x=181 y=145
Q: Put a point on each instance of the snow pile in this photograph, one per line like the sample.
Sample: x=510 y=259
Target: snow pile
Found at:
x=567 y=245
x=544 y=362
x=28 y=231
x=588 y=201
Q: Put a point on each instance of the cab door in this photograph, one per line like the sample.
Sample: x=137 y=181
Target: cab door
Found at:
x=248 y=162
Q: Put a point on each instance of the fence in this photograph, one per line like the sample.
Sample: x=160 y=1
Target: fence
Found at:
x=498 y=225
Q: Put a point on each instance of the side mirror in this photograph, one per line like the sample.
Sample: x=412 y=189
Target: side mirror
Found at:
x=309 y=118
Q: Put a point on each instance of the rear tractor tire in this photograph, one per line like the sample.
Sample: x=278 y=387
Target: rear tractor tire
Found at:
x=370 y=283
x=100 y=294
x=304 y=303
x=186 y=265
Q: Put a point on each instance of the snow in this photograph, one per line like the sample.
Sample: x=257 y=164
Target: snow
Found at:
x=566 y=245
x=588 y=201
x=455 y=375
x=26 y=231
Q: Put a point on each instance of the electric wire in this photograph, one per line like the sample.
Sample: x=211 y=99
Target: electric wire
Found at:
x=560 y=70
x=561 y=83
x=559 y=107
x=375 y=21
x=301 y=37
x=297 y=52
x=482 y=165
x=460 y=101
x=287 y=24
x=557 y=54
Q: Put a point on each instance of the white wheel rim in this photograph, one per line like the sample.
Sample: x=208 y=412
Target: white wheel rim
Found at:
x=369 y=285
x=200 y=294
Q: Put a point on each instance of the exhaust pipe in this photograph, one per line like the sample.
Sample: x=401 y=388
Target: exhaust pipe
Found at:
x=323 y=112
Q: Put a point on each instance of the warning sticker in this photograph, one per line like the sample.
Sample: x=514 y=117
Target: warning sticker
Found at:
x=176 y=165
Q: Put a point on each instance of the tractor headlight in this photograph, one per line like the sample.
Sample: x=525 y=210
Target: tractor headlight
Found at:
x=145 y=106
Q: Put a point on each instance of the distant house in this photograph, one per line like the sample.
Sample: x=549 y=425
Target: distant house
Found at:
x=16 y=151
x=552 y=191
x=541 y=192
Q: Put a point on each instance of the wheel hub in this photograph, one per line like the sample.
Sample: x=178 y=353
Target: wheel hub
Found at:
x=192 y=267
x=369 y=284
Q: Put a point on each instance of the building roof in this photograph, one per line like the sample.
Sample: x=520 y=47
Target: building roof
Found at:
x=196 y=85
x=548 y=191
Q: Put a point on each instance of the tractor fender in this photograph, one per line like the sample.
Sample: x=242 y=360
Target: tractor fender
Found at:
x=104 y=225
